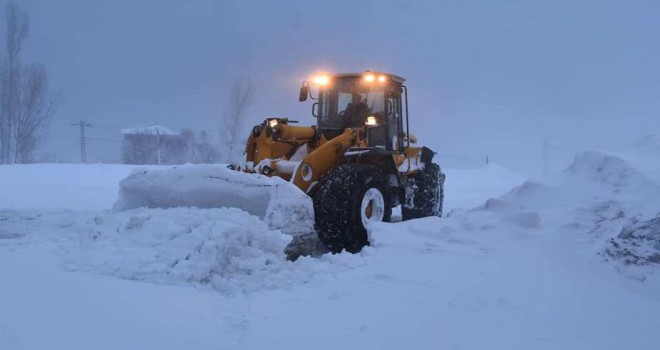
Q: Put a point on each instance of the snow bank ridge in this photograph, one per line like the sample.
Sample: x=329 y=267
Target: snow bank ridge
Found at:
x=529 y=194
x=608 y=169
x=638 y=243
x=225 y=249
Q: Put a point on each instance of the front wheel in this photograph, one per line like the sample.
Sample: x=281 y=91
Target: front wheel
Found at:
x=348 y=201
x=425 y=191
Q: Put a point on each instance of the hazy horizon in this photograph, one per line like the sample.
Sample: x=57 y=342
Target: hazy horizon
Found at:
x=485 y=78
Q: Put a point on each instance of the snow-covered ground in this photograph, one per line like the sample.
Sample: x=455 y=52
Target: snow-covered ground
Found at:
x=71 y=186
x=563 y=263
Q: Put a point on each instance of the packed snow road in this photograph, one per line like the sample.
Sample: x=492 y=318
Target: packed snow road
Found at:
x=528 y=269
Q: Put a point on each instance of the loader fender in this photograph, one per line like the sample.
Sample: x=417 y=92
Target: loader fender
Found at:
x=383 y=160
x=317 y=163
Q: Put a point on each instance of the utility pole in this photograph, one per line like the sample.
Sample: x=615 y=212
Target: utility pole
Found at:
x=83 y=151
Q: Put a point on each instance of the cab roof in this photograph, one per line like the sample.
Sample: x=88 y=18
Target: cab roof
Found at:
x=392 y=77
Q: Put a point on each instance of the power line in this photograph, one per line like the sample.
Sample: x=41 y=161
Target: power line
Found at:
x=83 y=149
x=110 y=127
x=105 y=140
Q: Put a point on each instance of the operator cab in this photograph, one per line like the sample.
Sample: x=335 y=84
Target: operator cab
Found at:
x=367 y=100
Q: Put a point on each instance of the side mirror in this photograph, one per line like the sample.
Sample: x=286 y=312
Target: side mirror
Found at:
x=304 y=92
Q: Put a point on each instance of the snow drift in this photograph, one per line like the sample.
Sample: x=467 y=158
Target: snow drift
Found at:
x=608 y=199
x=638 y=243
x=608 y=169
x=225 y=249
x=281 y=204
x=592 y=177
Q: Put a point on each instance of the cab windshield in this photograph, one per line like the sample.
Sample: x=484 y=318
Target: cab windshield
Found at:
x=349 y=101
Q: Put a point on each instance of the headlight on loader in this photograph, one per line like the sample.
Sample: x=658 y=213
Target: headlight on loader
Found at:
x=321 y=80
x=371 y=121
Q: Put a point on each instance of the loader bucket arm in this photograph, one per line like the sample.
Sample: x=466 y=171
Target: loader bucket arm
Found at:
x=317 y=163
x=278 y=142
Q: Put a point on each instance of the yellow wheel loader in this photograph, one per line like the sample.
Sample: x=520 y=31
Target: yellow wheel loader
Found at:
x=357 y=163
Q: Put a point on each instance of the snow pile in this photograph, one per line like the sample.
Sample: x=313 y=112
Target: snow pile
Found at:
x=592 y=177
x=174 y=246
x=644 y=155
x=281 y=204
x=638 y=243
x=224 y=249
x=606 y=199
x=529 y=195
x=467 y=188
x=608 y=169
x=623 y=215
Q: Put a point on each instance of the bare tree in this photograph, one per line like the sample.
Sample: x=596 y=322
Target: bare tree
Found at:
x=16 y=32
x=150 y=148
x=240 y=98
x=188 y=137
x=25 y=103
x=198 y=147
x=36 y=108
x=204 y=150
x=139 y=148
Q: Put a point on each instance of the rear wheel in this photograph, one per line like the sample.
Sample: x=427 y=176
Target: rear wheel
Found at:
x=348 y=200
x=427 y=190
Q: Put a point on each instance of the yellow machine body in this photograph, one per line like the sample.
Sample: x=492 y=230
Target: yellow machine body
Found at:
x=302 y=155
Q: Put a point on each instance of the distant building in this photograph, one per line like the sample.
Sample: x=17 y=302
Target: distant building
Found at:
x=152 y=144
x=151 y=129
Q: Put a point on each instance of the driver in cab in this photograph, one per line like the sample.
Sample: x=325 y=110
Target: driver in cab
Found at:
x=356 y=111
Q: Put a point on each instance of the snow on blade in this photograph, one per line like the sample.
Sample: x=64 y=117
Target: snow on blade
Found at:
x=282 y=205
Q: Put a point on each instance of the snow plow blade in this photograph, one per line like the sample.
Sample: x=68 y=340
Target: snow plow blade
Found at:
x=282 y=205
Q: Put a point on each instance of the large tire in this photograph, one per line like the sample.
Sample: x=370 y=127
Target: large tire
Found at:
x=339 y=209
x=427 y=190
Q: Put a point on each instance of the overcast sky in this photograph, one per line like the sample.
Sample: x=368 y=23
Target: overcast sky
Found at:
x=485 y=77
